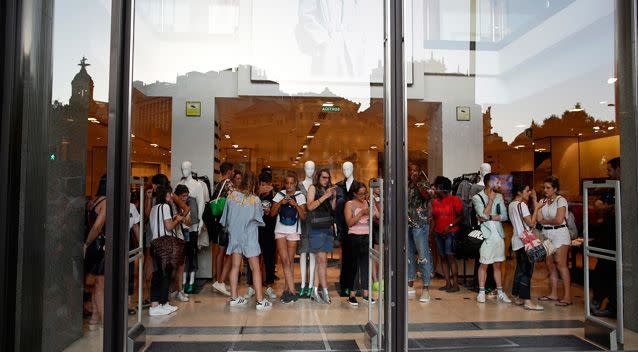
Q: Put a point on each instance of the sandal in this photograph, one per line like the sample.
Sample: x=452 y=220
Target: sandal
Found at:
x=547 y=298
x=534 y=307
x=563 y=304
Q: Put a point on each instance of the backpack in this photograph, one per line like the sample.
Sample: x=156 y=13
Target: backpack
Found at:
x=288 y=213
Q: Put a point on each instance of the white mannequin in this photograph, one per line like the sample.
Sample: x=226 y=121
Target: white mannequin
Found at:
x=309 y=169
x=484 y=170
x=196 y=191
x=348 y=172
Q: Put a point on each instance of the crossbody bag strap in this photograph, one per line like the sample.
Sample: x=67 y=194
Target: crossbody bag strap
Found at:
x=221 y=189
x=484 y=205
x=520 y=214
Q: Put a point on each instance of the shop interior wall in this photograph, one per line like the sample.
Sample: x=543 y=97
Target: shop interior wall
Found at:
x=594 y=155
x=565 y=165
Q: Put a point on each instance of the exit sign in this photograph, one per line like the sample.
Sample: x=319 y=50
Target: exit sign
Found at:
x=330 y=109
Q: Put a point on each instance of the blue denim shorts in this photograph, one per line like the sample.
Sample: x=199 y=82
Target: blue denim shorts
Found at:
x=445 y=243
x=321 y=240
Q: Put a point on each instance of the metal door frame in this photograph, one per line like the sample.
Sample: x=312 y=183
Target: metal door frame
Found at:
x=604 y=254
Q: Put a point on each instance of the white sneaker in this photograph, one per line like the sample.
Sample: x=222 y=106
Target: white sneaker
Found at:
x=159 y=310
x=250 y=293
x=221 y=288
x=239 y=301
x=503 y=298
x=263 y=305
x=182 y=297
x=411 y=291
x=270 y=293
x=425 y=296
x=168 y=306
x=481 y=297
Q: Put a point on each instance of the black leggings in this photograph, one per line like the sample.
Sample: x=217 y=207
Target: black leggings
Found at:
x=523 y=276
x=191 y=252
x=359 y=245
x=160 y=283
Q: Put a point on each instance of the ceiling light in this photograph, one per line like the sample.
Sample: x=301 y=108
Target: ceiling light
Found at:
x=610 y=128
x=304 y=146
x=170 y=152
x=374 y=146
x=520 y=146
x=580 y=134
x=300 y=153
x=235 y=146
x=132 y=135
x=596 y=127
x=154 y=145
x=245 y=156
x=240 y=150
x=612 y=80
x=92 y=119
x=328 y=103
x=297 y=158
x=520 y=126
x=317 y=124
x=268 y=166
x=227 y=136
x=310 y=136
x=419 y=124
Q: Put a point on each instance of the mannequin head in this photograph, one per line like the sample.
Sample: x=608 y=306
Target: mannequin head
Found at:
x=187 y=168
x=309 y=168
x=348 y=169
x=485 y=169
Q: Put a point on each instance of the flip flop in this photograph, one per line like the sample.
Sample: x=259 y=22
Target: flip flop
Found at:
x=547 y=298
x=563 y=304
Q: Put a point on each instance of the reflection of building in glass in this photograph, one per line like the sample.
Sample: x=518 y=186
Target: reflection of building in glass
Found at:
x=574 y=147
x=79 y=134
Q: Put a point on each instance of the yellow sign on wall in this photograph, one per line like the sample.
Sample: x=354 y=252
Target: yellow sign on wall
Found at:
x=193 y=108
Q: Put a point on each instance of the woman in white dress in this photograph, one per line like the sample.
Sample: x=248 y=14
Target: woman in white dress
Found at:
x=553 y=216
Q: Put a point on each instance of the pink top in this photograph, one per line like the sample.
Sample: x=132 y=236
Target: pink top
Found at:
x=361 y=227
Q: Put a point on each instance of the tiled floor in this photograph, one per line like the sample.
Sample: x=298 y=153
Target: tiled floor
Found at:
x=449 y=321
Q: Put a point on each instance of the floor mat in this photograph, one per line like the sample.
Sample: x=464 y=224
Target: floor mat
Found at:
x=278 y=346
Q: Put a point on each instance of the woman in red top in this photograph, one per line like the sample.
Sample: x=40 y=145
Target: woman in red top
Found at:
x=447 y=214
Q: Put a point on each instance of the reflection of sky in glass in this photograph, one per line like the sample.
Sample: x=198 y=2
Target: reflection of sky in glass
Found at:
x=539 y=58
x=84 y=31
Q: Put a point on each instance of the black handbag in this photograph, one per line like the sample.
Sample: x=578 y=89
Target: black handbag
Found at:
x=468 y=246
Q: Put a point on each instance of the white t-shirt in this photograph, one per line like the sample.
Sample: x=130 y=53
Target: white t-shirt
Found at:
x=517 y=223
x=296 y=228
x=133 y=216
x=549 y=210
x=159 y=213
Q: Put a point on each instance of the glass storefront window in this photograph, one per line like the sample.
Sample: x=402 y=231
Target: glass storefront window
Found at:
x=519 y=95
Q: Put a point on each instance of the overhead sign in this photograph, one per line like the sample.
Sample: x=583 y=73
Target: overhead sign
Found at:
x=330 y=109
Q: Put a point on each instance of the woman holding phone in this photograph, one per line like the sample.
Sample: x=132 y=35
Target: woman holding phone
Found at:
x=322 y=202
x=553 y=217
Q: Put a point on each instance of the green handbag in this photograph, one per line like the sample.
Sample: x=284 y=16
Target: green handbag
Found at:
x=217 y=205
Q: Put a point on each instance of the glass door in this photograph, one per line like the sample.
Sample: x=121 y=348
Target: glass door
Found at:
x=283 y=102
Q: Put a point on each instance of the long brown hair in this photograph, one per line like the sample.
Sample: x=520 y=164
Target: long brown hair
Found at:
x=317 y=179
x=248 y=183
